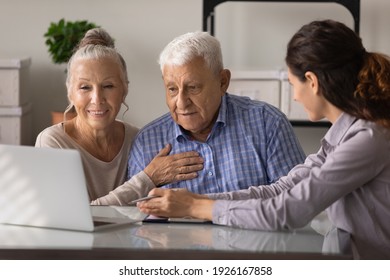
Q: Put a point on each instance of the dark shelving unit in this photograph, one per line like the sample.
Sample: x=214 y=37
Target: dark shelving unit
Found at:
x=353 y=6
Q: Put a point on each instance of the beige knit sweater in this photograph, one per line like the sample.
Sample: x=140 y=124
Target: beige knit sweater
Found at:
x=105 y=180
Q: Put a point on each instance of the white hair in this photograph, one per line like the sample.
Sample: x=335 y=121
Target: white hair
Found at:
x=96 y=44
x=186 y=47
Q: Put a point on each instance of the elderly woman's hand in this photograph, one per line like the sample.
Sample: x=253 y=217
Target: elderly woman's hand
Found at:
x=164 y=168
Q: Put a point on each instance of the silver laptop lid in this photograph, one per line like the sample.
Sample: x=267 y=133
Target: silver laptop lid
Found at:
x=43 y=187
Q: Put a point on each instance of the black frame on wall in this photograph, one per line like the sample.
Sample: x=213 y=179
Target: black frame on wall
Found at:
x=353 y=7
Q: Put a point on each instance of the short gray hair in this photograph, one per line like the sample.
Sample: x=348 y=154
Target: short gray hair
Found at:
x=186 y=47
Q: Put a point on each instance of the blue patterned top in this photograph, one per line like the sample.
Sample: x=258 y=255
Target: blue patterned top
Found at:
x=252 y=143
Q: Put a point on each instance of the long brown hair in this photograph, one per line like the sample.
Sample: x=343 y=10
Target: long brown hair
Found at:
x=352 y=79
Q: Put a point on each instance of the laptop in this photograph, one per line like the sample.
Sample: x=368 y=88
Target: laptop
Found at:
x=46 y=187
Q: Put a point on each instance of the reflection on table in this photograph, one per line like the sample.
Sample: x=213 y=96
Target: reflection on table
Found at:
x=168 y=240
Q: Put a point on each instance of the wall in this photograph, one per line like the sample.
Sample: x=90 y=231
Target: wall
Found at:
x=142 y=28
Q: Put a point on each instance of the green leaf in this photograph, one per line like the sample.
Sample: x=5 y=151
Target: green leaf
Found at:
x=62 y=37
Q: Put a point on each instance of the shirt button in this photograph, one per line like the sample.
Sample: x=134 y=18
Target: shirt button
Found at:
x=210 y=173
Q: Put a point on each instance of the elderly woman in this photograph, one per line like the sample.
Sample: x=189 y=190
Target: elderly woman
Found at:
x=97 y=85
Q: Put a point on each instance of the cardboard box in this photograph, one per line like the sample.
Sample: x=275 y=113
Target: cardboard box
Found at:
x=14 y=81
x=16 y=125
x=258 y=85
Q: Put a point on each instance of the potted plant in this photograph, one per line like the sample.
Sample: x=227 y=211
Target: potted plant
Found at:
x=62 y=38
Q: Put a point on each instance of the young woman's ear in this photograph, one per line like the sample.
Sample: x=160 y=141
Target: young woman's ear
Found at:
x=312 y=79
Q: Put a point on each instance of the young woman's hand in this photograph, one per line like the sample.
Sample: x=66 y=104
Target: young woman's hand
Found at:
x=177 y=203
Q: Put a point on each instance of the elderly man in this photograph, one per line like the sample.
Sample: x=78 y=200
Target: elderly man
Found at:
x=243 y=142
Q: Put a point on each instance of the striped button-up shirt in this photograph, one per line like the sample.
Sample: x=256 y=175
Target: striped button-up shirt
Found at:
x=349 y=177
x=251 y=143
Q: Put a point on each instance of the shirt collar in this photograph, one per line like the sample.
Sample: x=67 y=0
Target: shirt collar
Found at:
x=221 y=120
x=337 y=131
x=223 y=112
